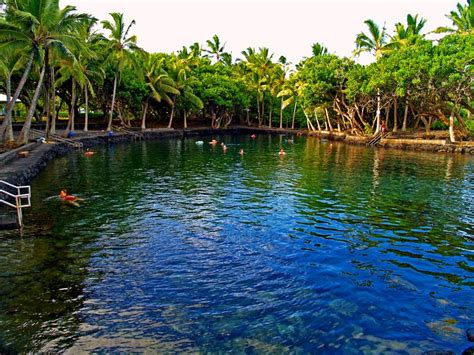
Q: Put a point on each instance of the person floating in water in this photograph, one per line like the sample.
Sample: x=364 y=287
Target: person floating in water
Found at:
x=89 y=153
x=253 y=136
x=224 y=147
x=241 y=152
x=73 y=200
x=281 y=152
x=213 y=142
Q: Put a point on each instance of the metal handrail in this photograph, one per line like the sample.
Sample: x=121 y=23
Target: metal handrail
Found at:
x=60 y=139
x=129 y=131
x=19 y=198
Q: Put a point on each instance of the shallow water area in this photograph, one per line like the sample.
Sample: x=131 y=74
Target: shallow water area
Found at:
x=180 y=246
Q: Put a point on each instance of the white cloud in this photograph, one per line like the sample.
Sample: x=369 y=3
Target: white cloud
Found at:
x=287 y=27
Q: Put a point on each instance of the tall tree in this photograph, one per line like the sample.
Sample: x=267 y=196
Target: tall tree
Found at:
x=374 y=42
x=215 y=48
x=462 y=19
x=121 y=46
x=37 y=26
x=11 y=62
x=160 y=85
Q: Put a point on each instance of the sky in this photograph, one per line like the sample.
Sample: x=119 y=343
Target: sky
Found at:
x=286 y=27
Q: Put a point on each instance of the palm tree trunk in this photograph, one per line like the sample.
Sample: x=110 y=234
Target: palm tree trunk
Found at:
x=395 y=114
x=281 y=114
x=11 y=103
x=270 y=114
x=47 y=88
x=25 y=131
x=109 y=126
x=145 y=110
x=294 y=115
x=171 y=117
x=73 y=103
x=452 y=136
x=258 y=110
x=6 y=127
x=405 y=116
x=54 y=113
x=377 y=128
x=86 y=118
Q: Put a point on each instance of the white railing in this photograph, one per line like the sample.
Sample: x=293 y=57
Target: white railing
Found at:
x=55 y=138
x=17 y=197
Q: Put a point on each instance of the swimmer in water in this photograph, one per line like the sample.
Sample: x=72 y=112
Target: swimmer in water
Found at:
x=224 y=147
x=89 y=153
x=63 y=195
x=281 y=152
x=241 y=152
x=213 y=142
x=253 y=136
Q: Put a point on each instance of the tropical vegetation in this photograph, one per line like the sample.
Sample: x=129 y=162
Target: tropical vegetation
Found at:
x=64 y=65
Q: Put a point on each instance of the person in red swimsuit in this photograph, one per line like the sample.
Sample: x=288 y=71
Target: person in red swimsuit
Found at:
x=63 y=195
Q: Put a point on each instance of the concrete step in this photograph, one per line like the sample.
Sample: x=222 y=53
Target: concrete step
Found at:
x=7 y=220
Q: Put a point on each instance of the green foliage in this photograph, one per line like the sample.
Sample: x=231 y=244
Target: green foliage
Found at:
x=470 y=127
x=438 y=126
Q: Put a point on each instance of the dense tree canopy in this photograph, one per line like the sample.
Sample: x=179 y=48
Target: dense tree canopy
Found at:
x=53 y=56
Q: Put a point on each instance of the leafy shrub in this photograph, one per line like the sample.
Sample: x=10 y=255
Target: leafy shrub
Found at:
x=470 y=126
x=438 y=126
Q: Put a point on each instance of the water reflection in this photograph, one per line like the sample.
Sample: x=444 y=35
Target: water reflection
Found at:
x=334 y=248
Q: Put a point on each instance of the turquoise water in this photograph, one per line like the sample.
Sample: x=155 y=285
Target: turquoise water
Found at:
x=180 y=247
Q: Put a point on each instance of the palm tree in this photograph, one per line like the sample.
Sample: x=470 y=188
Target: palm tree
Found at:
x=318 y=49
x=462 y=19
x=259 y=65
x=10 y=62
x=407 y=35
x=159 y=83
x=404 y=37
x=37 y=26
x=89 y=66
x=184 y=83
x=215 y=49
x=120 y=46
x=375 y=43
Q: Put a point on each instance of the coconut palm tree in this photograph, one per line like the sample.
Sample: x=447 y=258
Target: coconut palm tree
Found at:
x=159 y=83
x=37 y=26
x=11 y=62
x=407 y=35
x=215 y=49
x=121 y=46
x=184 y=83
x=318 y=49
x=462 y=19
x=376 y=43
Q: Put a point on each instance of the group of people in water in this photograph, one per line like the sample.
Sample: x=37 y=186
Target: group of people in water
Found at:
x=73 y=200
x=214 y=143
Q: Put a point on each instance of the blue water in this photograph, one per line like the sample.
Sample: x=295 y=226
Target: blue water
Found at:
x=180 y=247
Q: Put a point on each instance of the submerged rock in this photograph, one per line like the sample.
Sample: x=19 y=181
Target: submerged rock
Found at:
x=343 y=307
x=470 y=334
